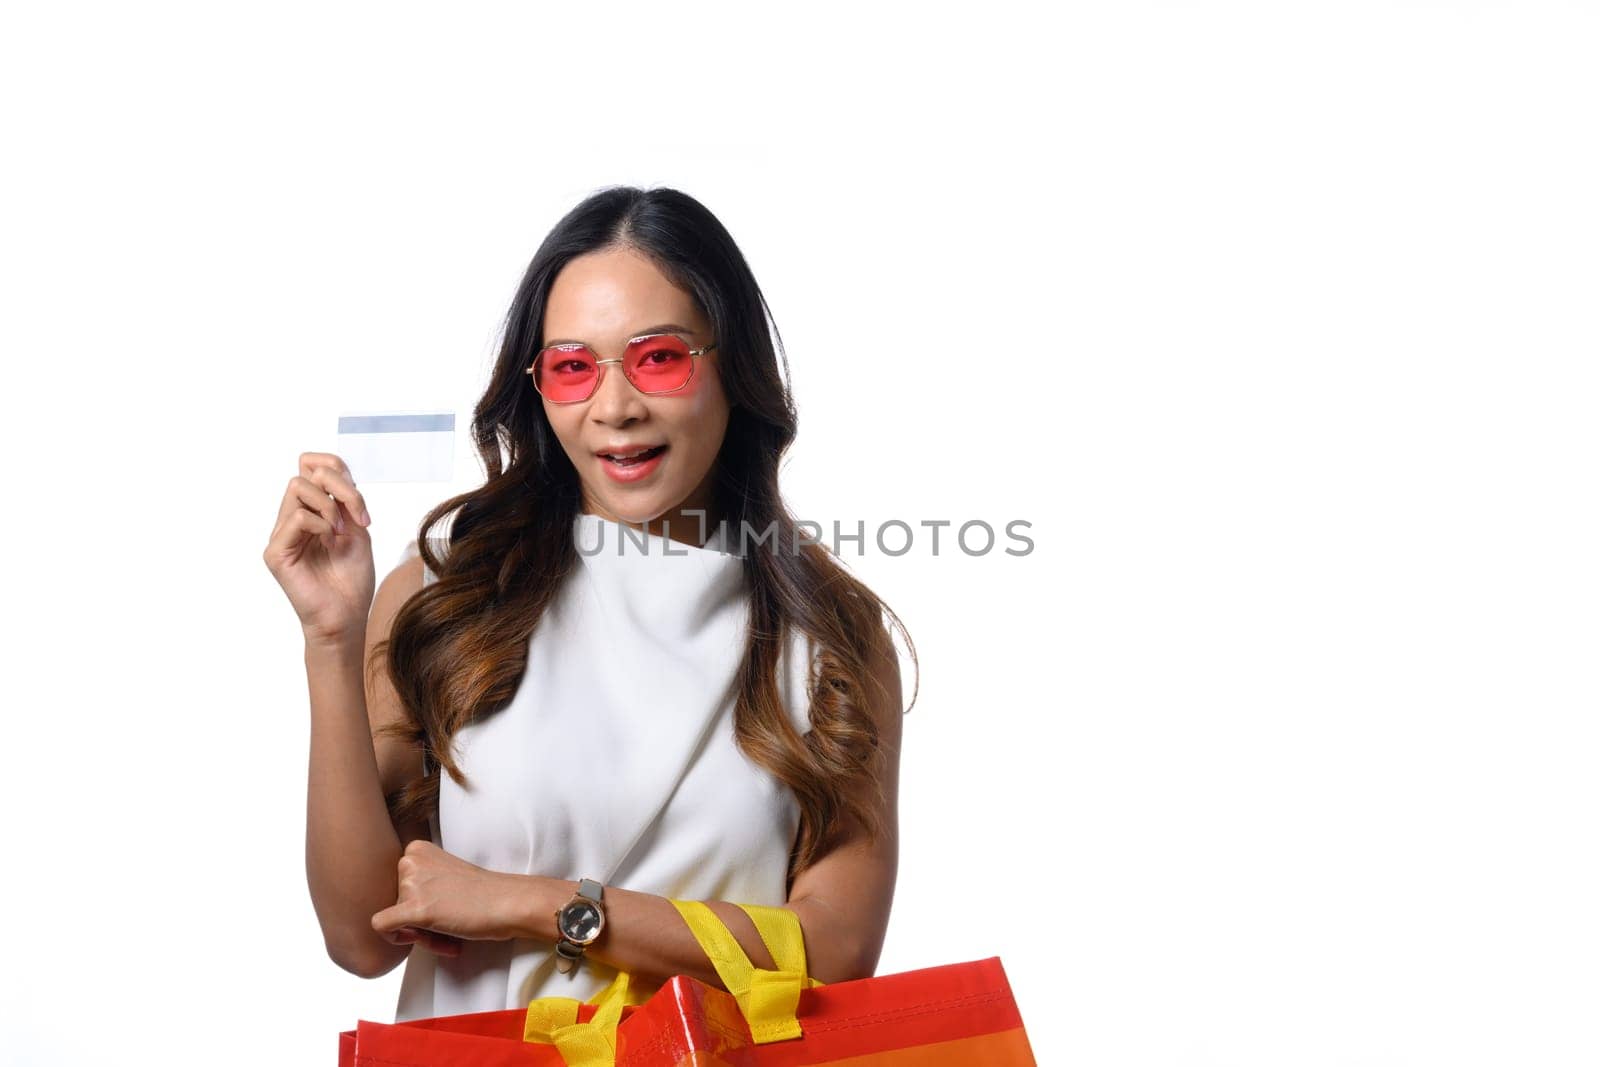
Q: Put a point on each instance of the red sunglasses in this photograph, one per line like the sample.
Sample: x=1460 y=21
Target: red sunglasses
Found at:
x=656 y=363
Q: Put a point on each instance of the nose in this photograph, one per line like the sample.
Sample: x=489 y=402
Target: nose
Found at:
x=615 y=400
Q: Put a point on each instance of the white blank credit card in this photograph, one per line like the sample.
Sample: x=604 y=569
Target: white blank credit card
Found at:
x=399 y=446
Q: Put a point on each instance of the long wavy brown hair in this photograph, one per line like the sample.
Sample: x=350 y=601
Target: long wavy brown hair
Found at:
x=458 y=648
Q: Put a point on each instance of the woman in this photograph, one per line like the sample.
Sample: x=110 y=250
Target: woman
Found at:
x=629 y=710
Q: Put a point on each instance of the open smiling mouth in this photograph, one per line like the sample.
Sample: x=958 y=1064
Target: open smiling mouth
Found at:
x=633 y=459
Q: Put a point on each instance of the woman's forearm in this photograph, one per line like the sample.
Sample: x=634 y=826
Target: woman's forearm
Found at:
x=352 y=850
x=646 y=936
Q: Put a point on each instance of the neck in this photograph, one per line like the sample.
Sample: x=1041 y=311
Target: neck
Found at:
x=690 y=523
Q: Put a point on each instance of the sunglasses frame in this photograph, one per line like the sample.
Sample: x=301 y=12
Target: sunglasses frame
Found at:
x=694 y=353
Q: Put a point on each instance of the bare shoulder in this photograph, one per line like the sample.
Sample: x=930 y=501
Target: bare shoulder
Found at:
x=399 y=761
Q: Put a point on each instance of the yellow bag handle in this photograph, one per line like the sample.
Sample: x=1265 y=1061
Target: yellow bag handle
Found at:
x=554 y=1021
x=769 y=1000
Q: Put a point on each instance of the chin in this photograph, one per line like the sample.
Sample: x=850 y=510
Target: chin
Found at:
x=632 y=512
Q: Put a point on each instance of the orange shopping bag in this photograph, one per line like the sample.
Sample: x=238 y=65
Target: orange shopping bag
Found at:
x=961 y=1013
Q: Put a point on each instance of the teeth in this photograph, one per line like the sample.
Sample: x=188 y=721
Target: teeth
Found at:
x=630 y=455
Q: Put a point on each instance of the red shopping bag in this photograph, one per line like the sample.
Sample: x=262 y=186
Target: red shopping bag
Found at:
x=960 y=1013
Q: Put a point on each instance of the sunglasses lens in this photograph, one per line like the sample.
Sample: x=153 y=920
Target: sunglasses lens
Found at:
x=659 y=364
x=566 y=374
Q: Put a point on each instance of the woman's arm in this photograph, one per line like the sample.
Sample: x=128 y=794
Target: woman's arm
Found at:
x=842 y=900
x=352 y=846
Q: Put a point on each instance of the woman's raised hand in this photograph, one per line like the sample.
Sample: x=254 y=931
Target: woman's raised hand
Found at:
x=320 y=551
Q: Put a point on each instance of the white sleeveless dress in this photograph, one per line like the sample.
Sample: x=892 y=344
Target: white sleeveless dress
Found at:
x=616 y=760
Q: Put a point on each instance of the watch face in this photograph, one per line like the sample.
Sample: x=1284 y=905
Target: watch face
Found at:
x=580 y=921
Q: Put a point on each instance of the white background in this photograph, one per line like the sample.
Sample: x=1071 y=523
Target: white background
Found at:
x=1277 y=322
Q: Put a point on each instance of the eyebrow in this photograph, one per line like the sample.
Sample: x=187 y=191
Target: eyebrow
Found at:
x=665 y=327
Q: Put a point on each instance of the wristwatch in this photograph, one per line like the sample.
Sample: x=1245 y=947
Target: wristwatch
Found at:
x=578 y=923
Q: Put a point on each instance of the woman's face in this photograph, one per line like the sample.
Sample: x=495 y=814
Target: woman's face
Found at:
x=603 y=300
